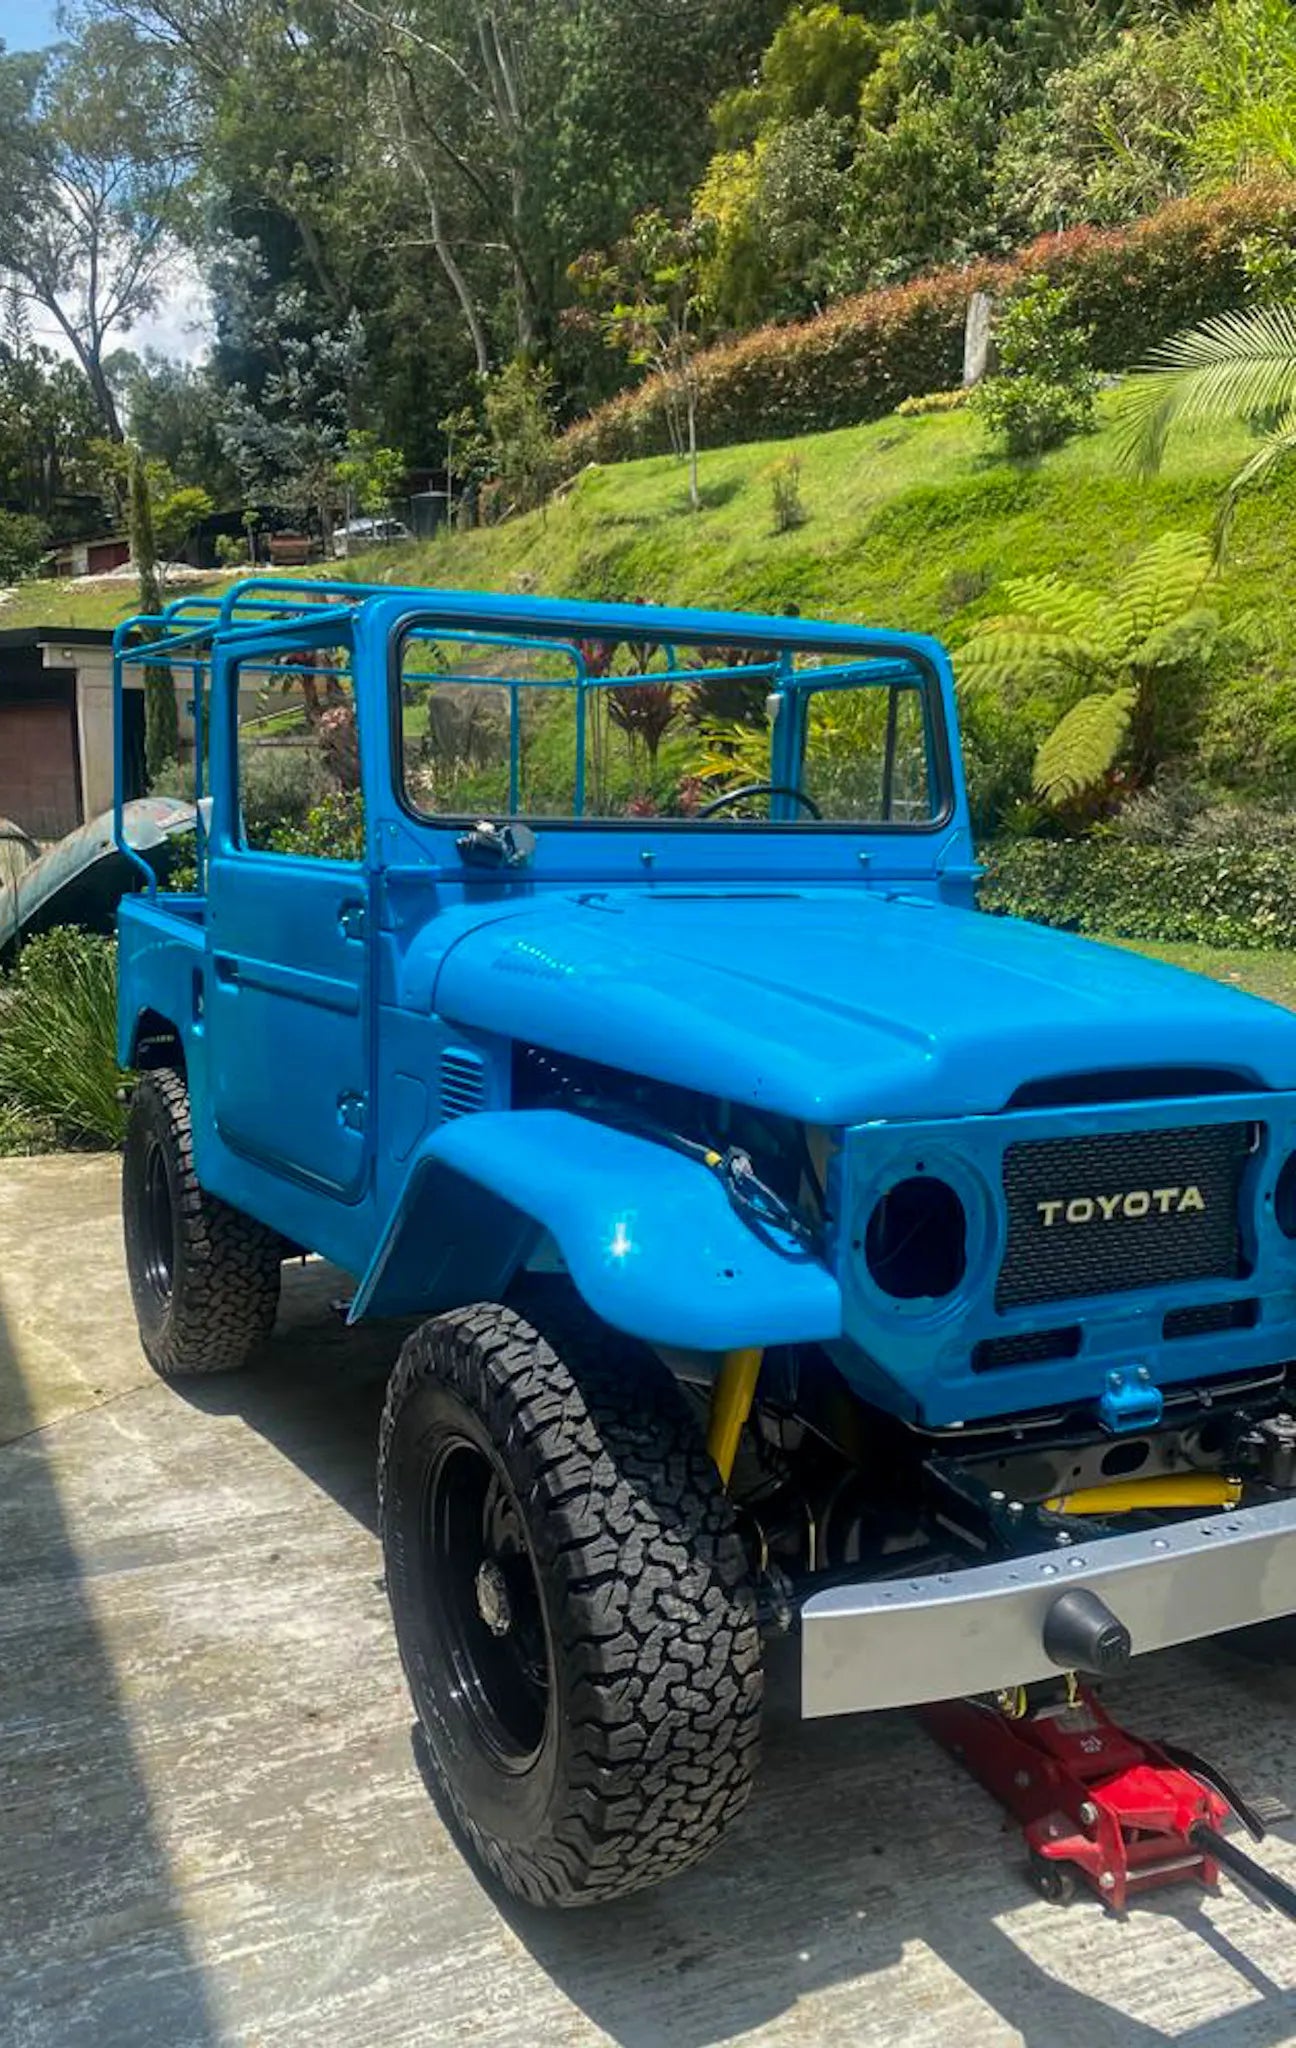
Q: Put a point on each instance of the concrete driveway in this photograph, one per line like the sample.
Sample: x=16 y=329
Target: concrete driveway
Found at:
x=212 y=1824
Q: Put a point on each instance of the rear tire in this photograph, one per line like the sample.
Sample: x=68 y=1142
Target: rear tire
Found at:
x=204 y=1278
x=572 y=1604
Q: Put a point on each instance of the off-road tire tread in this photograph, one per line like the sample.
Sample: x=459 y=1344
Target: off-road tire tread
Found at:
x=654 y=1618
x=228 y=1267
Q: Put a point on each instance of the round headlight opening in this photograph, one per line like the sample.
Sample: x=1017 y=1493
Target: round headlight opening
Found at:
x=915 y=1246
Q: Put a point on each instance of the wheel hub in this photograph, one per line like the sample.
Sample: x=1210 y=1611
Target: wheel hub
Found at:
x=493 y=1602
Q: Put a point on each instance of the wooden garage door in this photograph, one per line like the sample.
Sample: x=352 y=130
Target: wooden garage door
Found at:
x=38 y=776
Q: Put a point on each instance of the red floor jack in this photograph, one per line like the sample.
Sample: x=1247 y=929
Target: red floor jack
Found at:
x=1100 y=1806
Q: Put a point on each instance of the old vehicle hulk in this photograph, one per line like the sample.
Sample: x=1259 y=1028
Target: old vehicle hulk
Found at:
x=796 y=1249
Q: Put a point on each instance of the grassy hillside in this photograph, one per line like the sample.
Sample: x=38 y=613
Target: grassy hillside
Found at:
x=909 y=523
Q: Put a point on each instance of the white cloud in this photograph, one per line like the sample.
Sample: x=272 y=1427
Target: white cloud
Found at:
x=180 y=325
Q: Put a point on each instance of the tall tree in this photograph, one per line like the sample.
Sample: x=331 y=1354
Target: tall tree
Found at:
x=161 y=719
x=93 y=159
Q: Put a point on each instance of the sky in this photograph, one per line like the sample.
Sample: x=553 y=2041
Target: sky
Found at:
x=27 y=24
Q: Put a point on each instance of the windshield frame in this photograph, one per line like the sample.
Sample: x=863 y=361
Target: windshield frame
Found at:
x=910 y=664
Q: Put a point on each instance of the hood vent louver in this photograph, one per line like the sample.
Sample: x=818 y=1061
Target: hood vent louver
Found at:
x=463 y=1083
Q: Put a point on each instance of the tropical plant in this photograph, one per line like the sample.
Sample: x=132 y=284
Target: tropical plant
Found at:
x=58 y=1038
x=1238 y=366
x=1126 y=668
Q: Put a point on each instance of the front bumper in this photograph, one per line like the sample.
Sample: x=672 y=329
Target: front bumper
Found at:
x=901 y=1643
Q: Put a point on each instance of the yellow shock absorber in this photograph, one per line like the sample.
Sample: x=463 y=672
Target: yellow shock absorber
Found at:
x=731 y=1401
x=1124 y=1497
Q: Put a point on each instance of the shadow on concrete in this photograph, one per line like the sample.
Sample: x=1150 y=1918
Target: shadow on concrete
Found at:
x=316 y=1389
x=93 y=1948
x=863 y=1838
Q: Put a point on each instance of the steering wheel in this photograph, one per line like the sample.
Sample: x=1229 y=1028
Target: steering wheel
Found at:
x=734 y=796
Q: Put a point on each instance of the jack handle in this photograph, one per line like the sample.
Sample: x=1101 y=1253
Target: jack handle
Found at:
x=1274 y=1890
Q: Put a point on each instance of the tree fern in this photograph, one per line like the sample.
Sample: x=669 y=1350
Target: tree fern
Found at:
x=1057 y=606
x=1101 y=655
x=1083 y=747
x=1161 y=584
x=1007 y=654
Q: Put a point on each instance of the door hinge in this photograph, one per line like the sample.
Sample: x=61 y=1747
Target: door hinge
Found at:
x=351 y=1112
x=351 y=920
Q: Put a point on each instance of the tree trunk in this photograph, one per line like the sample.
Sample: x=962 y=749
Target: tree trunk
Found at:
x=103 y=398
x=161 y=719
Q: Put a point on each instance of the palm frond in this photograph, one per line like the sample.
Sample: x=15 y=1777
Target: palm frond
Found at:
x=1083 y=746
x=1273 y=449
x=1160 y=585
x=1233 y=365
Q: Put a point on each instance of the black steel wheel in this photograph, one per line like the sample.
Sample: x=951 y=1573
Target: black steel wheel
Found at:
x=572 y=1604
x=484 y=1596
x=157 y=1223
x=204 y=1278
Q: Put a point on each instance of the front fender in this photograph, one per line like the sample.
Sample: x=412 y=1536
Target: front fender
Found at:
x=648 y=1235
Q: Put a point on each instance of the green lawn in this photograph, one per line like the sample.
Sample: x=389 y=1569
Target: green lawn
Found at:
x=910 y=522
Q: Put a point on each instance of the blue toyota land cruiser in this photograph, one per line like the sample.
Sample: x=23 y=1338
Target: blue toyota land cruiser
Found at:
x=797 y=1248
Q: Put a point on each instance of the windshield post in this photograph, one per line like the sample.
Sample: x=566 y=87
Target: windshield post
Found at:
x=889 y=753
x=784 y=709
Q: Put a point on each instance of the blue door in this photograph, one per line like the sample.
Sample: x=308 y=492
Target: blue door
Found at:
x=288 y=1015
x=287 y=990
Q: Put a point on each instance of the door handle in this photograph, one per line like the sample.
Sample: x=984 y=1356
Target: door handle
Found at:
x=227 y=969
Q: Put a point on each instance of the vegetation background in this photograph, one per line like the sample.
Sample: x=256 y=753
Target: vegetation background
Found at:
x=670 y=295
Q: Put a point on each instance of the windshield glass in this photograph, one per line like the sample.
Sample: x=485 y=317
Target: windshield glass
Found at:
x=602 y=730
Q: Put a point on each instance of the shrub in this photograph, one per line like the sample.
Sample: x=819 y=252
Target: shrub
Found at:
x=332 y=830
x=1046 y=389
x=518 y=413
x=1028 y=414
x=1131 y=287
x=58 y=1030
x=785 y=494
x=1214 y=895
x=280 y=784
x=22 y=543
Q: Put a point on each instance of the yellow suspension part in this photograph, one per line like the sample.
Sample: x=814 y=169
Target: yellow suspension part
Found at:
x=731 y=1403
x=1182 y=1490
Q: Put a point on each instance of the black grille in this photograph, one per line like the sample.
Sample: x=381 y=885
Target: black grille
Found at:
x=1123 y=1209
x=1028 y=1347
x=1210 y=1318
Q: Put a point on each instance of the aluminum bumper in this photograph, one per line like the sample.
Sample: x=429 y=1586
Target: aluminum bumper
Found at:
x=899 y=1643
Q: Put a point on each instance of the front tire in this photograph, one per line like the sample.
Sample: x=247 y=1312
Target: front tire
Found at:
x=204 y=1278
x=572 y=1605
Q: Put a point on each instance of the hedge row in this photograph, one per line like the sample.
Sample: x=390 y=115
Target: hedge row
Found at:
x=1110 y=888
x=857 y=361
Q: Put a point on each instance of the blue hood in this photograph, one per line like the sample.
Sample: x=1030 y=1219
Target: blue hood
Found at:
x=838 y=1007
